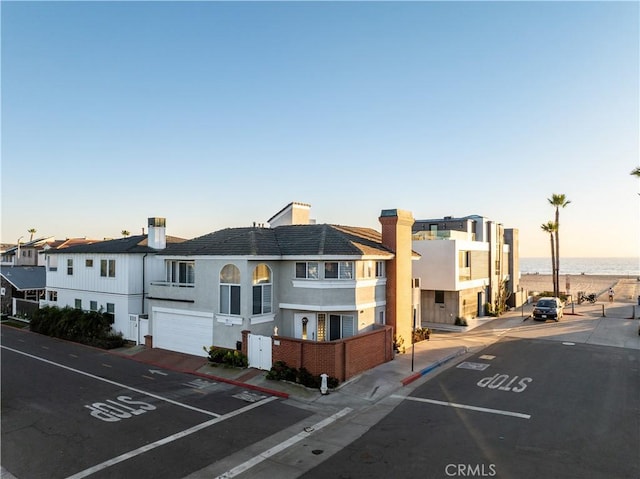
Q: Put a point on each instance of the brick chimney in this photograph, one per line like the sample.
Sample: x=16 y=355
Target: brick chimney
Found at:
x=396 y=235
x=157 y=238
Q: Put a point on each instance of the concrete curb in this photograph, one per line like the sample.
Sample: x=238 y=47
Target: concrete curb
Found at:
x=432 y=366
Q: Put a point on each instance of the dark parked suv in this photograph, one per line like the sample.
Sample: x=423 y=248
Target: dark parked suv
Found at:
x=548 y=308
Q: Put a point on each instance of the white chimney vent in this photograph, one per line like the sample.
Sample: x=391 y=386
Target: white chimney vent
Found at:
x=157 y=238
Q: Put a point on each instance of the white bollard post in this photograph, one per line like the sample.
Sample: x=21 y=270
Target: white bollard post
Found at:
x=323 y=386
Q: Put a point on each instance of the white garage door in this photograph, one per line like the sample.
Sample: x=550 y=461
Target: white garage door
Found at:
x=182 y=331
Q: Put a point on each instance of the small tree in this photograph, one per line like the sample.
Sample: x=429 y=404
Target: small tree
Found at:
x=125 y=233
x=31 y=231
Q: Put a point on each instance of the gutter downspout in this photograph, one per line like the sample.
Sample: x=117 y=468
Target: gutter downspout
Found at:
x=143 y=276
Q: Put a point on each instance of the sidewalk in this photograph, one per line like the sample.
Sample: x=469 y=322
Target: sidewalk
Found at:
x=444 y=346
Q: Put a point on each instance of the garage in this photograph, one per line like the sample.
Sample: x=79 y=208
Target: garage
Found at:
x=183 y=331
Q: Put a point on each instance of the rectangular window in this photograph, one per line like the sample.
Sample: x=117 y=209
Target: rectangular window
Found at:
x=307 y=270
x=111 y=309
x=70 y=267
x=379 y=269
x=331 y=270
x=93 y=306
x=88 y=263
x=338 y=270
x=262 y=299
x=229 y=299
x=181 y=272
x=464 y=265
x=439 y=297
x=78 y=304
x=52 y=262
x=52 y=295
x=341 y=326
x=108 y=268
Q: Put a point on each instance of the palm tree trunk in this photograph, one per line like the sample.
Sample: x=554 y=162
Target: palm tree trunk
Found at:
x=553 y=265
x=557 y=270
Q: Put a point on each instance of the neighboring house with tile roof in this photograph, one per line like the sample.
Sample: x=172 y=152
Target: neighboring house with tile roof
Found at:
x=312 y=283
x=112 y=276
x=22 y=289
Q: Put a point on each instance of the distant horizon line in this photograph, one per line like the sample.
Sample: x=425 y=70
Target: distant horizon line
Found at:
x=582 y=257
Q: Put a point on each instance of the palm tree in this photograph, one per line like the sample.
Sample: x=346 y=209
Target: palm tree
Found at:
x=636 y=172
x=551 y=228
x=125 y=233
x=558 y=201
x=32 y=231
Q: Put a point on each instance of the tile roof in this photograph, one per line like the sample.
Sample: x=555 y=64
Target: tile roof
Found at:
x=25 y=277
x=130 y=244
x=288 y=240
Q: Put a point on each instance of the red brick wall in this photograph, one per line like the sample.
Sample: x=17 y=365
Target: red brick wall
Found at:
x=341 y=359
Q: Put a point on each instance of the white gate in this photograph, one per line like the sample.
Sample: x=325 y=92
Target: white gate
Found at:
x=259 y=352
x=138 y=327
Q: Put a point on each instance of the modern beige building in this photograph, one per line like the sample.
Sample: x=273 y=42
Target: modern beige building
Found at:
x=468 y=268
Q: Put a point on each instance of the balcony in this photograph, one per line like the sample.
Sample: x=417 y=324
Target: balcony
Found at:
x=443 y=235
x=167 y=291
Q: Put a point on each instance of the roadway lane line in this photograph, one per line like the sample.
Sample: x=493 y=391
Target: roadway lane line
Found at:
x=466 y=406
x=245 y=466
x=171 y=401
x=167 y=440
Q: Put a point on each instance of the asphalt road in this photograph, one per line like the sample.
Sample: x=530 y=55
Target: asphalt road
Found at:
x=72 y=411
x=521 y=408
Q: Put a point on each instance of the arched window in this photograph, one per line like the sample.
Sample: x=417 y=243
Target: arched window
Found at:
x=262 y=289
x=230 y=290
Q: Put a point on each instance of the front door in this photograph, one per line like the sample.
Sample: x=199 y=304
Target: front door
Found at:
x=305 y=326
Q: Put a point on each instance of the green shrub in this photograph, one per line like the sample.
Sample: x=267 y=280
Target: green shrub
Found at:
x=87 y=327
x=228 y=357
x=421 y=334
x=281 y=372
x=461 y=322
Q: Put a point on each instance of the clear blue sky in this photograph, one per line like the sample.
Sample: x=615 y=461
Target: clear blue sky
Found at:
x=218 y=114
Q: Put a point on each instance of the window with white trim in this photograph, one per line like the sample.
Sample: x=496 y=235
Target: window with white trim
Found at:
x=340 y=326
x=261 y=289
x=77 y=304
x=180 y=272
x=93 y=306
x=70 y=267
x=338 y=270
x=111 y=309
x=52 y=262
x=379 y=269
x=52 y=295
x=307 y=270
x=230 y=290
x=108 y=268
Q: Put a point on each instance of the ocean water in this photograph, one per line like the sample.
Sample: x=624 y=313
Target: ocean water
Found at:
x=613 y=266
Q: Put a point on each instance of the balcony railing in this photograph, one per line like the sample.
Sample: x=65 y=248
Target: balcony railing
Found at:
x=169 y=291
x=442 y=235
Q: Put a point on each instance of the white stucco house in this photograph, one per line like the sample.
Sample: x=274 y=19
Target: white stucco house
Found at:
x=292 y=277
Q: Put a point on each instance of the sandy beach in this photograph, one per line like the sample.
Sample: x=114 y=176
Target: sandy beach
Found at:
x=626 y=288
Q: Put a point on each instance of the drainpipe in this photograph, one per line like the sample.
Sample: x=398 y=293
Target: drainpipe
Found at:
x=143 y=269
